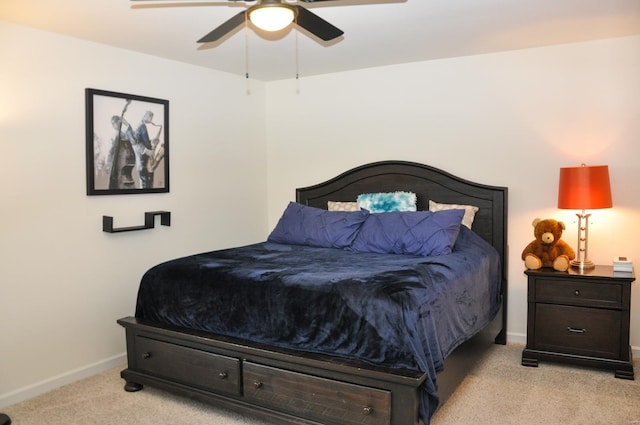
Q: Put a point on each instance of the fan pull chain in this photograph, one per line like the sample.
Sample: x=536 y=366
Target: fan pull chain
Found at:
x=246 y=52
x=297 y=60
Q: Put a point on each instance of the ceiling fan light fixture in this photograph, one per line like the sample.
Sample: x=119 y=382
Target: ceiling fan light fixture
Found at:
x=271 y=16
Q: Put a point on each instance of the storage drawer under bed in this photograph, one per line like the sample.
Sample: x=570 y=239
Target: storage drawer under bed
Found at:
x=324 y=400
x=201 y=369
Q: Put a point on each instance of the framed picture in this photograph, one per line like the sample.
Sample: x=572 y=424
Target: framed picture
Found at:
x=127 y=143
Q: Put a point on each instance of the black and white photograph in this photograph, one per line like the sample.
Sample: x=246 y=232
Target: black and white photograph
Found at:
x=127 y=143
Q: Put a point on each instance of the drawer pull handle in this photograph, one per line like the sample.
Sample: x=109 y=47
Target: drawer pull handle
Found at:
x=146 y=355
x=577 y=293
x=257 y=384
x=576 y=331
x=367 y=410
x=223 y=375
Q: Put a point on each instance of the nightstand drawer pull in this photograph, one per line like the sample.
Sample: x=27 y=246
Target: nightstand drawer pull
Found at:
x=576 y=331
x=577 y=293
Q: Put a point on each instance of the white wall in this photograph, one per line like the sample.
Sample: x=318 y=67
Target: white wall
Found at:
x=64 y=282
x=509 y=119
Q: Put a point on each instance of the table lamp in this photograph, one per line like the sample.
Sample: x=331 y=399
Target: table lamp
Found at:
x=584 y=188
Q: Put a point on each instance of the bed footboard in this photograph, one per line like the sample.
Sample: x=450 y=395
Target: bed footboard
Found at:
x=275 y=385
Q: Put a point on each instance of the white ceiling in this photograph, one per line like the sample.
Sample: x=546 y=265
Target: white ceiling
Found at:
x=377 y=32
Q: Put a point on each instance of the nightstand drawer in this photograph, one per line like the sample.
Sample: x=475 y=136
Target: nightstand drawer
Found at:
x=578 y=330
x=573 y=292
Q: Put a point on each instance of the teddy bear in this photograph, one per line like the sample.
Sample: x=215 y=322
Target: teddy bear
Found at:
x=548 y=250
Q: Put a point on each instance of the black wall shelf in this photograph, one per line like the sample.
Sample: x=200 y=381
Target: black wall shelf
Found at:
x=149 y=222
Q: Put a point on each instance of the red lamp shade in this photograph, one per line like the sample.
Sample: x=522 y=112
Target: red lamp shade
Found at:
x=584 y=188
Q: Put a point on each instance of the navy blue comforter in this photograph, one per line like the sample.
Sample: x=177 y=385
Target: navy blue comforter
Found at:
x=398 y=311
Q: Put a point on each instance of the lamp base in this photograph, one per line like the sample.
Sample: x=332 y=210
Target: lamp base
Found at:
x=583 y=264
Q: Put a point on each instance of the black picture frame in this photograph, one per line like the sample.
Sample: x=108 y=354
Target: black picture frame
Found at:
x=127 y=143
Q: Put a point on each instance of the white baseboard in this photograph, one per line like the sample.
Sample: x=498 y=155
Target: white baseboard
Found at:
x=516 y=338
x=58 y=381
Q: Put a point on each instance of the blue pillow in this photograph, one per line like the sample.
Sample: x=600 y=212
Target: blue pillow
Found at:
x=303 y=225
x=387 y=201
x=414 y=233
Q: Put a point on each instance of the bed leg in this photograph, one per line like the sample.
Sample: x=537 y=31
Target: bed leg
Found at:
x=132 y=387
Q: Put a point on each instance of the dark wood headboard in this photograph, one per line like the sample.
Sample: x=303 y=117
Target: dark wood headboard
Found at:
x=427 y=183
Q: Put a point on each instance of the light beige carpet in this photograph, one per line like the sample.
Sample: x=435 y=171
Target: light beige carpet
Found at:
x=501 y=391
x=498 y=391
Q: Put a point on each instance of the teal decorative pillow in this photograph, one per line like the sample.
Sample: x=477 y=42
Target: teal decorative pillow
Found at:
x=387 y=202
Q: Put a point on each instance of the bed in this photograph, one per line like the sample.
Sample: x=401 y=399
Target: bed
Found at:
x=334 y=333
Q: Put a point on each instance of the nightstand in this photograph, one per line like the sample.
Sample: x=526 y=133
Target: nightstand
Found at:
x=580 y=317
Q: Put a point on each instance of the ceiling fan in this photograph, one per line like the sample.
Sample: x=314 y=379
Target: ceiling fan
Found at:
x=265 y=13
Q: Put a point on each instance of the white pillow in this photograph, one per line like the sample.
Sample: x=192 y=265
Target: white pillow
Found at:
x=342 y=206
x=469 y=211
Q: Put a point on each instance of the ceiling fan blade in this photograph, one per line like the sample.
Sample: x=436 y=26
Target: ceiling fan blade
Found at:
x=225 y=28
x=316 y=25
